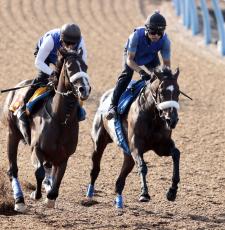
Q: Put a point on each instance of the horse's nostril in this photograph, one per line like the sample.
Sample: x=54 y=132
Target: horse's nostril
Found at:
x=81 y=89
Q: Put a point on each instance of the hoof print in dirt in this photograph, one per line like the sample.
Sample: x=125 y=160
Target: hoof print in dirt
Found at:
x=88 y=202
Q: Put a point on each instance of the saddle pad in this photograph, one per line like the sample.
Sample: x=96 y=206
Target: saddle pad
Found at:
x=122 y=142
x=40 y=94
x=129 y=96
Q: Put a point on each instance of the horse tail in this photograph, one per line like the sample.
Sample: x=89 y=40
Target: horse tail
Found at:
x=98 y=119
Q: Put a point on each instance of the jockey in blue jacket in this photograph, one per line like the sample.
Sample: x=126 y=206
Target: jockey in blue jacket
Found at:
x=68 y=37
x=142 y=49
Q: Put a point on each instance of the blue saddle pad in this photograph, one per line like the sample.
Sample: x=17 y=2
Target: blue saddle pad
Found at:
x=125 y=101
x=129 y=96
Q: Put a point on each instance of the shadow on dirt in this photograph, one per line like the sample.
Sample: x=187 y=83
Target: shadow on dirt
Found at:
x=6 y=200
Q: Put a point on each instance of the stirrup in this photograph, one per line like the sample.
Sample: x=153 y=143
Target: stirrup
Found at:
x=111 y=113
x=22 y=114
x=24 y=124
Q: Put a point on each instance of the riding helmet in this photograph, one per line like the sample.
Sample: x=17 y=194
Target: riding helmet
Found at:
x=155 y=22
x=70 y=33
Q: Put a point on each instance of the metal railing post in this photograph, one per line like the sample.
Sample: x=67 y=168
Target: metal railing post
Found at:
x=194 y=17
x=206 y=21
x=220 y=26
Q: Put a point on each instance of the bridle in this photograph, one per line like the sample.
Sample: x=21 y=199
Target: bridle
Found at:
x=74 y=89
x=160 y=106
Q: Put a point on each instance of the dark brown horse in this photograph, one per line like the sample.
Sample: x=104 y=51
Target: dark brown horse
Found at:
x=148 y=126
x=54 y=129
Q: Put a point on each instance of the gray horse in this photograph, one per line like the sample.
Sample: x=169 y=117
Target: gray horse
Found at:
x=54 y=129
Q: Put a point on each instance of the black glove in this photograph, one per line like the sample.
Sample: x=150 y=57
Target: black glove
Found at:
x=144 y=76
x=53 y=78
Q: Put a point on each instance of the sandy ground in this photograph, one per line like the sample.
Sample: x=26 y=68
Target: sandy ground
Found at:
x=105 y=25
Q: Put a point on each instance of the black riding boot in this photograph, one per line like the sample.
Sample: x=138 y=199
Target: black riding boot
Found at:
x=23 y=116
x=121 y=86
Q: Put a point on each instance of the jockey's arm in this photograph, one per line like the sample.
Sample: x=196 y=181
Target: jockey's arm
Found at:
x=43 y=52
x=131 y=63
x=84 y=50
x=131 y=50
x=166 y=53
x=166 y=63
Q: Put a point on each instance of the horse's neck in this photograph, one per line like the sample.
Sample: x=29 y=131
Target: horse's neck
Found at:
x=63 y=106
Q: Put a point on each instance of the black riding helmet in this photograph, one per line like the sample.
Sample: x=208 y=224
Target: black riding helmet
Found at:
x=155 y=22
x=70 y=33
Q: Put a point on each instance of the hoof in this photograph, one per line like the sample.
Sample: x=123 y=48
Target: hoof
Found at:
x=20 y=207
x=171 y=194
x=144 y=198
x=50 y=203
x=34 y=196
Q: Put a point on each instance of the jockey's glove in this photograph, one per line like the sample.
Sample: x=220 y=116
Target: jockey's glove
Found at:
x=53 y=78
x=144 y=76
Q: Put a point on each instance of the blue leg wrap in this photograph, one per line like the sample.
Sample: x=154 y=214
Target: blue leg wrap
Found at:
x=81 y=114
x=119 y=201
x=90 y=191
x=17 y=191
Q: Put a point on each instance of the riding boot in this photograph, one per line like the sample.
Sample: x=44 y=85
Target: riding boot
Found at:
x=24 y=124
x=23 y=117
x=121 y=85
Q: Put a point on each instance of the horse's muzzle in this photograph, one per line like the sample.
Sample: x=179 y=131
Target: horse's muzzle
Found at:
x=171 y=118
x=83 y=93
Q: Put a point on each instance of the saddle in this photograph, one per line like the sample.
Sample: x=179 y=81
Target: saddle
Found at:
x=125 y=101
x=129 y=96
x=34 y=102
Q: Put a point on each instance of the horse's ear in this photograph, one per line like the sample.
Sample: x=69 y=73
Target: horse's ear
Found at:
x=177 y=72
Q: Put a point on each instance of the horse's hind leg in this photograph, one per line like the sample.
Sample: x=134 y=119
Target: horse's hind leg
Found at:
x=13 y=139
x=128 y=164
x=100 y=139
x=171 y=194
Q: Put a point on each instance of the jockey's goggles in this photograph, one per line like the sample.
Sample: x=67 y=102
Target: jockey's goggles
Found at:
x=70 y=43
x=154 y=32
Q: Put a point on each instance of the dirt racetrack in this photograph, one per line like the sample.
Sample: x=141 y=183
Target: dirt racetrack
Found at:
x=200 y=134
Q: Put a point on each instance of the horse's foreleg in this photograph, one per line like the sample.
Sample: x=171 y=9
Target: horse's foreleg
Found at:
x=143 y=170
x=128 y=164
x=39 y=173
x=58 y=173
x=13 y=139
x=171 y=194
